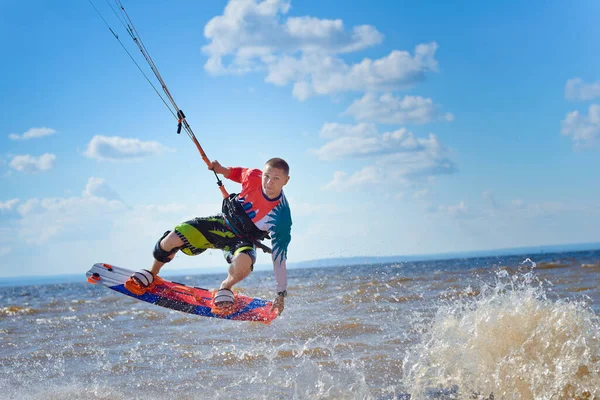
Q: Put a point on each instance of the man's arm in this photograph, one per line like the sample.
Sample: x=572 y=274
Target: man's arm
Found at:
x=280 y=270
x=219 y=169
x=236 y=174
x=281 y=237
x=281 y=279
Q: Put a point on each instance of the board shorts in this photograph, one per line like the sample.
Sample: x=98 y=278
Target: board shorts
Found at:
x=204 y=233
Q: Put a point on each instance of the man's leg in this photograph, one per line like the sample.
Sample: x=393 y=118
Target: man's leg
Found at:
x=167 y=244
x=240 y=268
x=164 y=251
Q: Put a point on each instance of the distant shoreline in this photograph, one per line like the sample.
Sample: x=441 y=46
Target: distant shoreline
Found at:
x=513 y=251
x=330 y=262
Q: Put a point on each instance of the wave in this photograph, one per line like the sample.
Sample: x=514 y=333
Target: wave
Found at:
x=11 y=311
x=509 y=341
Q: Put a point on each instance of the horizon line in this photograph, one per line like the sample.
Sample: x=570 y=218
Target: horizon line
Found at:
x=507 y=251
x=583 y=246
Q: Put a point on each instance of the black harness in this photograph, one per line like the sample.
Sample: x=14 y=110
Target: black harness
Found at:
x=241 y=224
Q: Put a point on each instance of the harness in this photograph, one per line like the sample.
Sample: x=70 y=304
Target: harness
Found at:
x=241 y=224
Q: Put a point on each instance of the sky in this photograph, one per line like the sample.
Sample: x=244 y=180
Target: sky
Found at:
x=410 y=128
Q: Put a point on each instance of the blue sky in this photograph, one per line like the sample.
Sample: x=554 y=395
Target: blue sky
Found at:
x=410 y=128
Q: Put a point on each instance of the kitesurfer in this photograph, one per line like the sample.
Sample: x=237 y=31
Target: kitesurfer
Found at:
x=260 y=211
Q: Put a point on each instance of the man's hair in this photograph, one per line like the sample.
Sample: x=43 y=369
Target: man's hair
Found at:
x=279 y=163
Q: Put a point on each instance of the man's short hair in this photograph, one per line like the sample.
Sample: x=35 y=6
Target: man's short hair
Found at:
x=279 y=163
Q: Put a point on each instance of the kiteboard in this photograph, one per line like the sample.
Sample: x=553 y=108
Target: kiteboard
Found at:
x=180 y=297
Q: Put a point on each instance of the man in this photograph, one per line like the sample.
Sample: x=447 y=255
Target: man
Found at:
x=259 y=210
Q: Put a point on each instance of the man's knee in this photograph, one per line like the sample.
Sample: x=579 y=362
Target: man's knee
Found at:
x=242 y=262
x=171 y=240
x=166 y=247
x=242 y=256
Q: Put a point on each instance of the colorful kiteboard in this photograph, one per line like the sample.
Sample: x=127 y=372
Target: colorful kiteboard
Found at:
x=180 y=297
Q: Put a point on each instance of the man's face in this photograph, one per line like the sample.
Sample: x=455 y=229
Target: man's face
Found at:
x=273 y=180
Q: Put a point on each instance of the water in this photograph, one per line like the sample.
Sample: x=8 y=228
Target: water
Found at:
x=481 y=328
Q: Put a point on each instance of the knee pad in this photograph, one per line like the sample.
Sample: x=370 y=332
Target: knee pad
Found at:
x=163 y=255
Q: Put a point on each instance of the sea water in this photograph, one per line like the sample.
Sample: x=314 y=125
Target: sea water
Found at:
x=520 y=327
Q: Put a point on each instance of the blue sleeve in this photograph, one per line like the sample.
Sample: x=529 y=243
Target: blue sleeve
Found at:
x=280 y=230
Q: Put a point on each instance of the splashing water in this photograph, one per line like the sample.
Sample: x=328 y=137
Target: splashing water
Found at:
x=511 y=341
x=372 y=332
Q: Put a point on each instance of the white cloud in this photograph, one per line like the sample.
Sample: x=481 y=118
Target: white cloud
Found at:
x=28 y=163
x=519 y=209
x=305 y=51
x=517 y=203
x=45 y=219
x=364 y=140
x=351 y=147
x=516 y=210
x=577 y=89
x=584 y=130
x=32 y=133
x=547 y=208
x=164 y=208
x=457 y=210
x=97 y=195
x=253 y=31
x=31 y=206
x=427 y=161
x=115 y=148
x=322 y=74
x=400 y=158
x=97 y=187
x=420 y=194
x=103 y=230
x=372 y=176
x=342 y=182
x=8 y=205
x=334 y=130
x=388 y=109
x=93 y=215
x=532 y=210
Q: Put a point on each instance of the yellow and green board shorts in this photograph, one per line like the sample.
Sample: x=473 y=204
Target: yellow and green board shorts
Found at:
x=204 y=233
